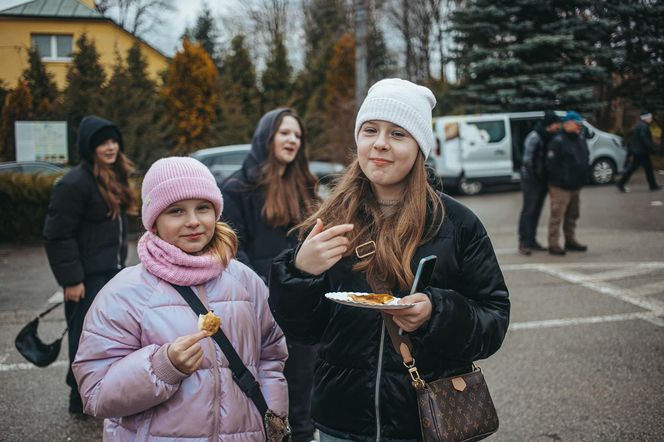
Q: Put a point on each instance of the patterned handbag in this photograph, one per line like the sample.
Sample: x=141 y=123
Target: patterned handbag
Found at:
x=453 y=409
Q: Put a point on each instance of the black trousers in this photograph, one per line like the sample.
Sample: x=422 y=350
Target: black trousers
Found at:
x=639 y=159
x=75 y=314
x=534 y=194
x=299 y=373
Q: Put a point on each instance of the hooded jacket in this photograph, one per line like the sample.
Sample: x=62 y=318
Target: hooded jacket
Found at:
x=244 y=199
x=362 y=390
x=79 y=235
x=124 y=373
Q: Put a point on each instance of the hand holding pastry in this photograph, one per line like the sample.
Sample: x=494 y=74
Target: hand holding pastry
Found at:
x=186 y=353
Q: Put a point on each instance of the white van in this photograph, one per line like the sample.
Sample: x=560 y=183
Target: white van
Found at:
x=477 y=150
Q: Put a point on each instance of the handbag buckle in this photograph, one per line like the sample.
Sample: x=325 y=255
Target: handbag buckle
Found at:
x=417 y=381
x=368 y=253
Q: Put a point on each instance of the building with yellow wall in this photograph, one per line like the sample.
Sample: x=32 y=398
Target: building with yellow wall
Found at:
x=53 y=26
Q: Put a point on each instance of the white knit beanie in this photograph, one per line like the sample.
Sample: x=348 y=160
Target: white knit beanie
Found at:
x=403 y=103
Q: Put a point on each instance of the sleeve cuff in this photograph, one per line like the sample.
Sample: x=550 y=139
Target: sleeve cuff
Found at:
x=163 y=367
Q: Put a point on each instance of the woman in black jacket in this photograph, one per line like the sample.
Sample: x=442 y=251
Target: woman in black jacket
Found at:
x=272 y=192
x=85 y=232
x=381 y=219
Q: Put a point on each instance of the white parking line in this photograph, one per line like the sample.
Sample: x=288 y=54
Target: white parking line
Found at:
x=56 y=297
x=576 y=321
x=27 y=366
x=597 y=282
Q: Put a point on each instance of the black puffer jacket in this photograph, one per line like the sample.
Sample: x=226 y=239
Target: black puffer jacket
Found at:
x=469 y=321
x=641 y=142
x=567 y=161
x=244 y=201
x=79 y=235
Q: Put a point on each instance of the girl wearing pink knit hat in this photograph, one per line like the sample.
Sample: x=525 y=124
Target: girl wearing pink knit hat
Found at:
x=142 y=362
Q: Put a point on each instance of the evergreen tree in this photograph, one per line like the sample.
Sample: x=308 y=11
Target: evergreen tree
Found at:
x=325 y=22
x=379 y=62
x=130 y=101
x=339 y=109
x=17 y=106
x=85 y=80
x=638 y=57
x=528 y=55
x=276 y=79
x=190 y=97
x=240 y=103
x=206 y=33
x=42 y=87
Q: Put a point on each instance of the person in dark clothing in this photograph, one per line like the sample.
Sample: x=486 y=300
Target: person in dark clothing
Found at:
x=85 y=231
x=369 y=237
x=270 y=194
x=567 y=171
x=640 y=148
x=533 y=181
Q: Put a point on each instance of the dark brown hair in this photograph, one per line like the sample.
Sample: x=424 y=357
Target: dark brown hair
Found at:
x=397 y=234
x=290 y=197
x=114 y=186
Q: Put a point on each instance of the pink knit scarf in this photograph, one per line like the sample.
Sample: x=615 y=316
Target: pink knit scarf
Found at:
x=171 y=264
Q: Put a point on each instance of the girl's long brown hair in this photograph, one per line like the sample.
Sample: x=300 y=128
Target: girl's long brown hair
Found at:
x=113 y=184
x=397 y=234
x=290 y=197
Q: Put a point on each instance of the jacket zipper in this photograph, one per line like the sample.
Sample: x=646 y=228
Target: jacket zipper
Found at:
x=378 y=373
x=119 y=265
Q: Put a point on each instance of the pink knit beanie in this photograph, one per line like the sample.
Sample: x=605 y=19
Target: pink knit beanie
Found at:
x=175 y=179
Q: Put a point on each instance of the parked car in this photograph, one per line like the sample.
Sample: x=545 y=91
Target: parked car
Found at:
x=223 y=161
x=31 y=167
x=477 y=150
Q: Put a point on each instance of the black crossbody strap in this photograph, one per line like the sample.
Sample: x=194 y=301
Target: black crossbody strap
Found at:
x=241 y=375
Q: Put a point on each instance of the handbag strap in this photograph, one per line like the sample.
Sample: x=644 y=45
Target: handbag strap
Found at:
x=403 y=346
x=50 y=309
x=241 y=375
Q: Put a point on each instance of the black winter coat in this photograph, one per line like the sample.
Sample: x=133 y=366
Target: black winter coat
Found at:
x=641 y=142
x=244 y=201
x=567 y=161
x=469 y=321
x=79 y=235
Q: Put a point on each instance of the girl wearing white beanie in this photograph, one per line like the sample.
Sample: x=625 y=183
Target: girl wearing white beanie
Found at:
x=381 y=219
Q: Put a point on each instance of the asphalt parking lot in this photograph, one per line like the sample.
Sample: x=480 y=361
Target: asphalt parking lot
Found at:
x=583 y=359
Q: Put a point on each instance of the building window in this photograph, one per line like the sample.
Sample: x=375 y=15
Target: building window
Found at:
x=53 y=47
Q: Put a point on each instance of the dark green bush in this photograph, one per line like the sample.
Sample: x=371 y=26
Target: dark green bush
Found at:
x=23 y=202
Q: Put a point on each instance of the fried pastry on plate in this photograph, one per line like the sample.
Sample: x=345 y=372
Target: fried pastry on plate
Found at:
x=372 y=298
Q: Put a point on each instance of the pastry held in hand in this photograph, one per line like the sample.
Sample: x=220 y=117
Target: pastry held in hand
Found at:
x=209 y=322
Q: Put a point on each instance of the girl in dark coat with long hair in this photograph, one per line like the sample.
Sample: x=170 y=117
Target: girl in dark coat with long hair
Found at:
x=381 y=219
x=85 y=232
x=272 y=192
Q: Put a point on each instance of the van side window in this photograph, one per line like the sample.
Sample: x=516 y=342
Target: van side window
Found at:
x=490 y=131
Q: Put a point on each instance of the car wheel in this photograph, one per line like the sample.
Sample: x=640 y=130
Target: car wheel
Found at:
x=603 y=171
x=467 y=187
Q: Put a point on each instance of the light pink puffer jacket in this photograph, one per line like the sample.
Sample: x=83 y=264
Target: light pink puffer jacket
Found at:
x=124 y=374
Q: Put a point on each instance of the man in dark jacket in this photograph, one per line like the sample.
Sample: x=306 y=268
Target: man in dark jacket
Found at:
x=567 y=169
x=640 y=148
x=533 y=181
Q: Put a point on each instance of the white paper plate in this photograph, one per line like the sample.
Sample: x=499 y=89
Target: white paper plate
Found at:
x=343 y=298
